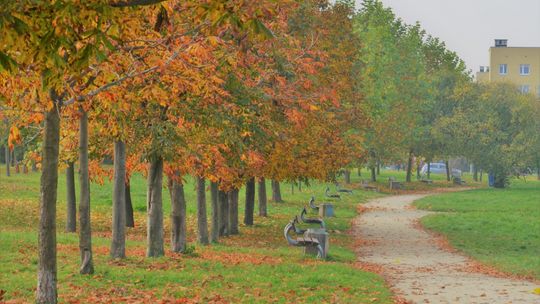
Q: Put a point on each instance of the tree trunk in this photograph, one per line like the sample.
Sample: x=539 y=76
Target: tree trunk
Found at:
x=538 y=170
x=409 y=167
x=8 y=154
x=202 y=222
x=447 y=171
x=214 y=232
x=233 y=211
x=429 y=170
x=118 y=243
x=155 y=209
x=481 y=174
x=262 y=197
x=378 y=168
x=475 y=174
x=223 y=208
x=34 y=166
x=71 y=208
x=373 y=174
x=47 y=275
x=16 y=162
x=276 y=192
x=178 y=217
x=130 y=221
x=347 y=176
x=85 y=231
x=418 y=171
x=250 y=202
x=359 y=171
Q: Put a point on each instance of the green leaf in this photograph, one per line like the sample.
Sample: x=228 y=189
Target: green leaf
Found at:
x=261 y=29
x=7 y=63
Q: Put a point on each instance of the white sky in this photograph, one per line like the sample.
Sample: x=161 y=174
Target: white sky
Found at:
x=469 y=27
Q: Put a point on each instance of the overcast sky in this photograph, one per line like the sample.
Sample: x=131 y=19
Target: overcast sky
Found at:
x=469 y=27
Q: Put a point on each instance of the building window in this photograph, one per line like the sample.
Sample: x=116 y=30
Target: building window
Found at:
x=524 y=89
x=524 y=69
x=503 y=69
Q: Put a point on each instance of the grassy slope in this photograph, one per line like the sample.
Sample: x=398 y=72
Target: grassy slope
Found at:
x=497 y=227
x=256 y=266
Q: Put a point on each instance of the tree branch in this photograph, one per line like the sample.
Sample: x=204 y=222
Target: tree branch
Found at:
x=131 y=75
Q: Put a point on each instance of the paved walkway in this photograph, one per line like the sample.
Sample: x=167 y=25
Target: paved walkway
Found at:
x=419 y=270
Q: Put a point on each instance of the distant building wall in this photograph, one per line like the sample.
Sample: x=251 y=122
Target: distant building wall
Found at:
x=482 y=77
x=518 y=65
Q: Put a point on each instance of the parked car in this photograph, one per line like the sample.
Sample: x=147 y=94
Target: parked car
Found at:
x=438 y=168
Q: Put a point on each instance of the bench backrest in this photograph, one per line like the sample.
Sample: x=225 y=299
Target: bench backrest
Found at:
x=288 y=228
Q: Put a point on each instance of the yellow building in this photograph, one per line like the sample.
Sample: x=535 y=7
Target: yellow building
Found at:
x=518 y=65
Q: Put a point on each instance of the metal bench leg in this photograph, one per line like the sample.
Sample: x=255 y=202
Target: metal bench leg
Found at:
x=319 y=251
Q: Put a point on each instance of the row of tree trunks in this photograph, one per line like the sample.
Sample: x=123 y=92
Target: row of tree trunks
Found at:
x=347 y=176
x=178 y=215
x=130 y=221
x=47 y=276
x=85 y=233
x=233 y=211
x=250 y=202
x=538 y=169
x=409 y=167
x=263 y=210
x=71 y=208
x=118 y=243
x=202 y=222
x=8 y=172
x=223 y=213
x=276 y=192
x=447 y=170
x=214 y=231
x=155 y=246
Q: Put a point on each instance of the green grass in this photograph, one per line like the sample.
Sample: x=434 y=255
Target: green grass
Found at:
x=499 y=227
x=255 y=266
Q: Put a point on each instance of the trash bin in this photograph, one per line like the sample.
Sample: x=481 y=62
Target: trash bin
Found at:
x=491 y=180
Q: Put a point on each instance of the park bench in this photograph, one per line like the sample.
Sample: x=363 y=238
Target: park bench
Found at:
x=311 y=220
x=319 y=233
x=312 y=204
x=458 y=181
x=297 y=230
x=426 y=181
x=342 y=190
x=365 y=185
x=330 y=195
x=456 y=178
x=324 y=209
x=306 y=241
x=393 y=184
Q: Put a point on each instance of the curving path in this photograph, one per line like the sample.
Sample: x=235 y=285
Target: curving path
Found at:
x=420 y=271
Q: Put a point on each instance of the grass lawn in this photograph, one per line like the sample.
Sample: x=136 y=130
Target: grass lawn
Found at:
x=499 y=227
x=255 y=266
